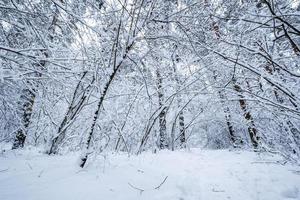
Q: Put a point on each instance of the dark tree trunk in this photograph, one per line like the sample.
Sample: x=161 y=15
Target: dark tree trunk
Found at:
x=233 y=139
x=182 y=135
x=100 y=102
x=28 y=96
x=96 y=115
x=163 y=143
x=27 y=102
x=289 y=125
x=74 y=108
x=248 y=117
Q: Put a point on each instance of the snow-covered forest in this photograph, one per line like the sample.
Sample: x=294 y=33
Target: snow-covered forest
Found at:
x=113 y=82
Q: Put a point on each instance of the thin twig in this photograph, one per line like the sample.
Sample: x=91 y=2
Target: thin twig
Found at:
x=143 y=190
x=40 y=174
x=157 y=188
x=29 y=166
x=3 y=170
x=134 y=187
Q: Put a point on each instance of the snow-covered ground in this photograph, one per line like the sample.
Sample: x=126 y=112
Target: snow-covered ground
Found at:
x=187 y=175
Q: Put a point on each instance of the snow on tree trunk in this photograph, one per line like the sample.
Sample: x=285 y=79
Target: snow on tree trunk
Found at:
x=27 y=101
x=252 y=131
x=78 y=100
x=163 y=139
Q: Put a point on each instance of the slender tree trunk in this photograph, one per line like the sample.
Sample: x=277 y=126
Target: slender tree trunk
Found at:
x=290 y=127
x=163 y=140
x=96 y=115
x=116 y=68
x=232 y=136
x=73 y=110
x=248 y=117
x=295 y=132
x=233 y=139
x=182 y=131
x=28 y=95
x=27 y=99
x=182 y=136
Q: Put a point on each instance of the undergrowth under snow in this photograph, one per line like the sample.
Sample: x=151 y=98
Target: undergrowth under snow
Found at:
x=182 y=175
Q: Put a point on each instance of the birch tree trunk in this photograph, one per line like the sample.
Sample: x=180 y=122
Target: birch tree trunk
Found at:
x=27 y=101
x=163 y=139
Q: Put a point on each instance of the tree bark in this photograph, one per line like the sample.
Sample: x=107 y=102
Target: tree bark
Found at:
x=73 y=109
x=27 y=99
x=252 y=131
x=96 y=115
x=232 y=136
x=163 y=143
x=28 y=95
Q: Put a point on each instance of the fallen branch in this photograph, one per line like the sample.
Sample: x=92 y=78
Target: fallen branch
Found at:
x=134 y=187
x=4 y=170
x=40 y=174
x=157 y=188
x=214 y=190
x=143 y=190
x=266 y=162
x=30 y=167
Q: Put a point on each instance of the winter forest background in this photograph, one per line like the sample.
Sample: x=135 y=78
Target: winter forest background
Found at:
x=149 y=99
x=136 y=75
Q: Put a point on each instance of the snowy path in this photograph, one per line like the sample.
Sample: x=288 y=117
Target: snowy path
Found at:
x=194 y=175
